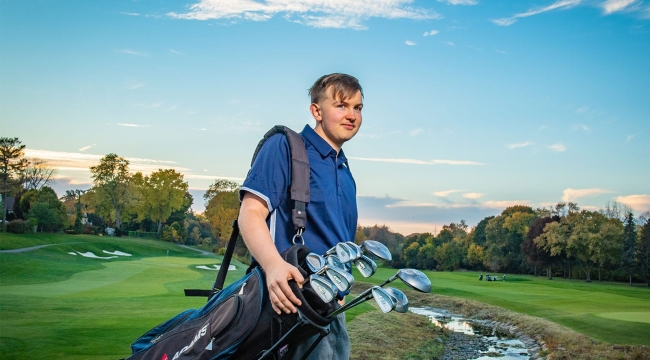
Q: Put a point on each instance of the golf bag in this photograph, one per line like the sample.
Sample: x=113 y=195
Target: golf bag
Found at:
x=239 y=322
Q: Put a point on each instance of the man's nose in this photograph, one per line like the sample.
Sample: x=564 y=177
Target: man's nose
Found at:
x=351 y=114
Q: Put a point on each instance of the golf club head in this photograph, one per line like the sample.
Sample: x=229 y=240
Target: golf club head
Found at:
x=415 y=279
x=402 y=304
x=323 y=287
x=343 y=252
x=377 y=249
x=341 y=278
x=333 y=260
x=356 y=250
x=385 y=300
x=315 y=262
x=365 y=265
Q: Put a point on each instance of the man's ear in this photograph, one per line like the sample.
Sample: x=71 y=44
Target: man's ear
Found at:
x=316 y=112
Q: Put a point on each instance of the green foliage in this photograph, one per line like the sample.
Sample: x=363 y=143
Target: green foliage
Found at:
x=112 y=180
x=643 y=252
x=159 y=194
x=222 y=207
x=629 y=246
x=12 y=164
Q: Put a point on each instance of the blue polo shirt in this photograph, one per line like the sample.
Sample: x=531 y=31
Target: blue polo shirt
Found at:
x=332 y=210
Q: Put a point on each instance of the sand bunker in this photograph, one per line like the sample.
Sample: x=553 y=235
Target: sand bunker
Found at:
x=215 y=267
x=116 y=253
x=72 y=253
x=91 y=255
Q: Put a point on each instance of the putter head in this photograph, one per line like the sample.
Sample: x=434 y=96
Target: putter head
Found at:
x=377 y=249
x=315 y=262
x=341 y=278
x=402 y=303
x=385 y=300
x=365 y=265
x=415 y=279
x=356 y=250
x=323 y=287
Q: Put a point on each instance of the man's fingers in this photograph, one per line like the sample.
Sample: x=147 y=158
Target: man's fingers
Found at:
x=292 y=299
x=281 y=301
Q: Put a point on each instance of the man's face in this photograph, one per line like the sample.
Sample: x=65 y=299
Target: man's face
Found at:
x=337 y=120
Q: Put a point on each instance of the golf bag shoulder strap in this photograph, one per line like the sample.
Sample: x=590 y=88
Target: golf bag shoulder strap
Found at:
x=300 y=173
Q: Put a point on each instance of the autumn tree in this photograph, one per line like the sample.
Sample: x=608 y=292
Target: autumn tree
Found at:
x=222 y=207
x=535 y=255
x=12 y=164
x=111 y=178
x=37 y=174
x=75 y=196
x=158 y=195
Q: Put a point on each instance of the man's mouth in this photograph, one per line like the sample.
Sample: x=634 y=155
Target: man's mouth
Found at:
x=348 y=126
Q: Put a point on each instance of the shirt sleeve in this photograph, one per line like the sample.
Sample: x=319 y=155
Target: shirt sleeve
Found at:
x=270 y=176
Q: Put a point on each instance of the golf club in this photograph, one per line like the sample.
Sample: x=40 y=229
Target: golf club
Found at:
x=366 y=266
x=323 y=287
x=377 y=249
x=315 y=262
x=402 y=304
x=342 y=251
x=384 y=299
x=341 y=278
x=355 y=250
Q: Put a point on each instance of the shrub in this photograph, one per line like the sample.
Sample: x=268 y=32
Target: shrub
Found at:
x=18 y=226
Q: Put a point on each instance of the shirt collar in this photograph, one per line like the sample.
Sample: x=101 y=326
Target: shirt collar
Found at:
x=323 y=148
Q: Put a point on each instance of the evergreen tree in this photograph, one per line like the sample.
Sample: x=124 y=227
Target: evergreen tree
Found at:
x=643 y=254
x=629 y=246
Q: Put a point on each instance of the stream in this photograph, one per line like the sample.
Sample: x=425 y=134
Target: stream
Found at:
x=478 y=339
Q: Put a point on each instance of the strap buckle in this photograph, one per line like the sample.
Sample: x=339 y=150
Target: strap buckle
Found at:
x=298 y=235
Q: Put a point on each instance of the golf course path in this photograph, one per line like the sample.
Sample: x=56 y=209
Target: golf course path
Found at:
x=32 y=248
x=207 y=253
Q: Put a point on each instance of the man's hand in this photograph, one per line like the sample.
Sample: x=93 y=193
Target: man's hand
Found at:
x=277 y=281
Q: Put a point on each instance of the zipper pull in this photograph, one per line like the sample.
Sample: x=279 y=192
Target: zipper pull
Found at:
x=241 y=291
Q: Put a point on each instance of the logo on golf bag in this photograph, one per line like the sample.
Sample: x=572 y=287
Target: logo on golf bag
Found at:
x=198 y=335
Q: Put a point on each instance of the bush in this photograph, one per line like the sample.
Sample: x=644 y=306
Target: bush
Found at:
x=18 y=226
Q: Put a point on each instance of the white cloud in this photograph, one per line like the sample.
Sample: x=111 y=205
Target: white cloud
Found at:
x=500 y=51
x=415 y=132
x=82 y=162
x=612 y=6
x=639 y=203
x=629 y=138
x=558 y=147
x=581 y=127
x=582 y=110
x=133 y=52
x=86 y=147
x=519 y=145
x=460 y=2
x=315 y=13
x=410 y=43
x=446 y=193
x=473 y=195
x=130 y=13
x=420 y=162
x=502 y=204
x=134 y=85
x=133 y=125
x=431 y=33
x=211 y=177
x=574 y=194
x=556 y=5
x=176 y=52
x=449 y=43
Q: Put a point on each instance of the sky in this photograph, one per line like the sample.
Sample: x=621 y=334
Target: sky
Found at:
x=470 y=105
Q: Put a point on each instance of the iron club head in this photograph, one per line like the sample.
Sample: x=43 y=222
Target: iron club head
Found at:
x=341 y=278
x=385 y=301
x=315 y=262
x=366 y=266
x=415 y=279
x=377 y=249
x=402 y=304
x=323 y=287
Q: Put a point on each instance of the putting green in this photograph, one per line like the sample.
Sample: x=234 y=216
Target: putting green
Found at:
x=642 y=317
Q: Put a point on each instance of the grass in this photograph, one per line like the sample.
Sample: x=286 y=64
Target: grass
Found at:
x=611 y=312
x=54 y=305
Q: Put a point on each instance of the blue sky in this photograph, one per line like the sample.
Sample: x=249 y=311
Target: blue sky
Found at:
x=470 y=105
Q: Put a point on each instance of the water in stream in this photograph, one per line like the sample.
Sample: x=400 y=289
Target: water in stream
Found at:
x=498 y=344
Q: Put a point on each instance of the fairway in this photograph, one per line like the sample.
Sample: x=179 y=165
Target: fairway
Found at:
x=59 y=306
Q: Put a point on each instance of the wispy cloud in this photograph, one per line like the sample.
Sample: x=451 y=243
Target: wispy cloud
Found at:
x=500 y=51
x=446 y=193
x=449 y=43
x=558 y=147
x=582 y=110
x=639 y=203
x=431 y=33
x=133 y=52
x=415 y=132
x=134 y=85
x=176 y=52
x=86 y=147
x=492 y=204
x=574 y=194
x=82 y=161
x=473 y=195
x=560 y=4
x=581 y=127
x=129 y=13
x=420 y=162
x=520 y=145
x=315 y=13
x=133 y=125
x=410 y=43
x=459 y=2
x=612 y=6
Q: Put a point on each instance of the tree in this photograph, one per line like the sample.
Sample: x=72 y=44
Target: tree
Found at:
x=629 y=246
x=12 y=163
x=535 y=255
x=47 y=210
x=159 y=195
x=75 y=195
x=37 y=174
x=221 y=208
x=111 y=178
x=219 y=186
x=643 y=252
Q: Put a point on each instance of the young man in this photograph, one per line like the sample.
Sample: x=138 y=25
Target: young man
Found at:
x=265 y=214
